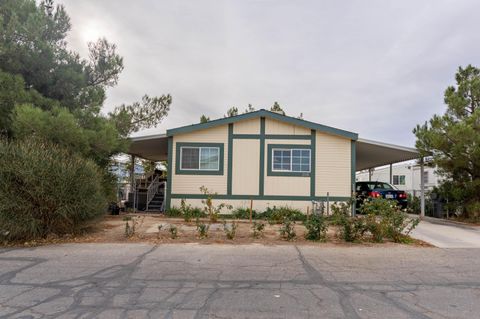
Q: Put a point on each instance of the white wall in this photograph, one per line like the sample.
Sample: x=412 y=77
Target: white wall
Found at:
x=411 y=171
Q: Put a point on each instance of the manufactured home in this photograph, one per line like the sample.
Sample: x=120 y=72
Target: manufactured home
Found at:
x=261 y=158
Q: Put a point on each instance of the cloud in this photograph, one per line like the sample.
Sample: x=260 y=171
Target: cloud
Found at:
x=377 y=68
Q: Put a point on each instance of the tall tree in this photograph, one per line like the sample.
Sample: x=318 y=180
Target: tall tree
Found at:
x=204 y=118
x=233 y=111
x=249 y=109
x=277 y=108
x=454 y=139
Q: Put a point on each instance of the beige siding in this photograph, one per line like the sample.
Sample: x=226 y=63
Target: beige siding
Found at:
x=245 y=167
x=277 y=127
x=285 y=185
x=190 y=184
x=333 y=167
x=247 y=127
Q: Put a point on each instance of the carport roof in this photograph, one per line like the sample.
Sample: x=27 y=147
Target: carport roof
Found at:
x=369 y=153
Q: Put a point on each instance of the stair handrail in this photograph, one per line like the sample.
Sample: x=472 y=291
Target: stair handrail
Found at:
x=152 y=189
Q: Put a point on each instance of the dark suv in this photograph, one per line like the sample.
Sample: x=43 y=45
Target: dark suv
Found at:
x=367 y=190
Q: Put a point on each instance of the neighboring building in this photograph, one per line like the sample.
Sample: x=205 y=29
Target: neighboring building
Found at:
x=261 y=156
x=405 y=176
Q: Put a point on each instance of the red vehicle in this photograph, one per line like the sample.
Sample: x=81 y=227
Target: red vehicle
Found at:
x=367 y=190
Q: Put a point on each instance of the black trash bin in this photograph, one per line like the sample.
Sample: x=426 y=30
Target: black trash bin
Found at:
x=114 y=209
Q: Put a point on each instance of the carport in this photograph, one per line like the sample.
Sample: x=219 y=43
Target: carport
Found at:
x=371 y=154
x=368 y=155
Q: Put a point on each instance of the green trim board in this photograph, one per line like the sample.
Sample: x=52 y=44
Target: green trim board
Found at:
x=265 y=197
x=261 y=179
x=179 y=171
x=264 y=114
x=313 y=161
x=230 y=159
x=270 y=172
x=169 y=173
x=272 y=137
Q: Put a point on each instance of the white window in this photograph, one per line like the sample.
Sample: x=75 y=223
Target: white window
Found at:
x=200 y=158
x=425 y=177
x=291 y=160
x=398 y=179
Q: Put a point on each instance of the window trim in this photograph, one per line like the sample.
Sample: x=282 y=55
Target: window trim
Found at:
x=289 y=147
x=191 y=171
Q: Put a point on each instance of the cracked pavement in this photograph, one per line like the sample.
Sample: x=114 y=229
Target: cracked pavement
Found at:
x=244 y=281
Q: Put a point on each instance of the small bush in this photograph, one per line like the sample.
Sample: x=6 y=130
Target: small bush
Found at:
x=352 y=229
x=230 y=230
x=287 y=231
x=244 y=213
x=173 y=212
x=202 y=229
x=173 y=231
x=316 y=227
x=47 y=190
x=277 y=215
x=258 y=228
x=213 y=211
x=129 y=230
x=340 y=211
x=159 y=230
x=386 y=219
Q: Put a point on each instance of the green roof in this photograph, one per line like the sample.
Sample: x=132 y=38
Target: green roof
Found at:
x=266 y=114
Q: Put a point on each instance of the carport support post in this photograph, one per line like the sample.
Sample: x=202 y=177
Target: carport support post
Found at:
x=391 y=176
x=422 y=189
x=132 y=182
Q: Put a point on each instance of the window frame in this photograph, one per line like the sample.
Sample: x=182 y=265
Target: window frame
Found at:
x=179 y=170
x=291 y=148
x=400 y=178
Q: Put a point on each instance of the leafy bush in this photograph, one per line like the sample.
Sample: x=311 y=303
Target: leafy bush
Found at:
x=202 y=229
x=316 y=227
x=340 y=211
x=287 y=231
x=46 y=190
x=173 y=212
x=129 y=230
x=244 y=213
x=277 y=215
x=173 y=231
x=352 y=229
x=258 y=228
x=393 y=222
x=212 y=210
x=230 y=230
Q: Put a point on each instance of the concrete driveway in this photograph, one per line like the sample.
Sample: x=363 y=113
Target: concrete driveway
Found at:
x=446 y=234
x=247 y=281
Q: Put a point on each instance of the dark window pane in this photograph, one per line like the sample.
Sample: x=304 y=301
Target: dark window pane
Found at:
x=189 y=158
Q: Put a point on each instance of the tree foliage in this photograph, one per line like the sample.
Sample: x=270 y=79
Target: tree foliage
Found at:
x=204 y=118
x=277 y=108
x=233 y=111
x=453 y=139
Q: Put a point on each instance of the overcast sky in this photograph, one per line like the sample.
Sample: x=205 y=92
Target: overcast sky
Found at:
x=372 y=67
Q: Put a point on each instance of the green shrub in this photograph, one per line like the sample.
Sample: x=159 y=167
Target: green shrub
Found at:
x=230 y=230
x=340 y=211
x=46 y=190
x=244 y=213
x=213 y=211
x=287 y=231
x=173 y=231
x=202 y=229
x=258 y=228
x=277 y=215
x=386 y=219
x=129 y=230
x=316 y=227
x=352 y=229
x=173 y=212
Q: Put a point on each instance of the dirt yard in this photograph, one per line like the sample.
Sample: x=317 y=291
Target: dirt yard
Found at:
x=112 y=230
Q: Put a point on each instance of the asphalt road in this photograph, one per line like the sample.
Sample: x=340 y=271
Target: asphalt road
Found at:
x=248 y=281
x=445 y=234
